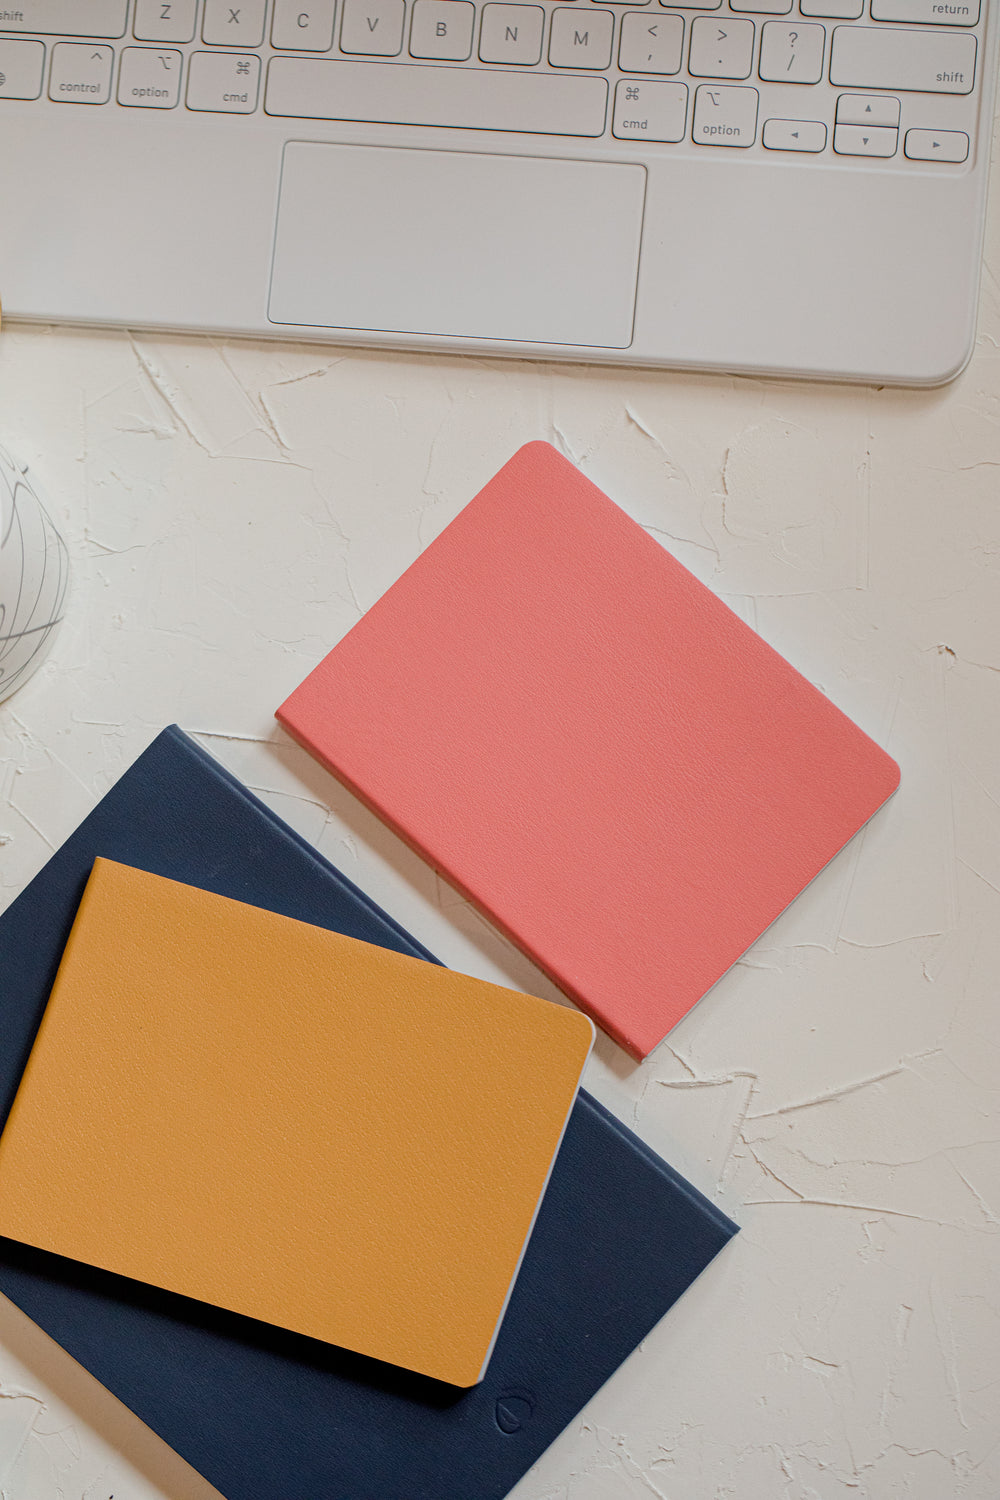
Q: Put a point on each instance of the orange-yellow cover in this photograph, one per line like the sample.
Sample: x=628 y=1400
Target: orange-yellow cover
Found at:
x=288 y=1123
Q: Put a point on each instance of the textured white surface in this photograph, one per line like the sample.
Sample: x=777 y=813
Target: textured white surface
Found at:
x=232 y=508
x=33 y=578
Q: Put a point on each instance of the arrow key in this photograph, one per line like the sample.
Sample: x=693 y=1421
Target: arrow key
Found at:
x=864 y=140
x=794 y=135
x=867 y=109
x=936 y=145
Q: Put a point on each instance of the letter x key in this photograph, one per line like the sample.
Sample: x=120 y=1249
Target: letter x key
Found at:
x=226 y=24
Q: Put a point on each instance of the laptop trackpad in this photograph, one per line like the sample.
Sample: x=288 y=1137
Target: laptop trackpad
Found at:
x=530 y=249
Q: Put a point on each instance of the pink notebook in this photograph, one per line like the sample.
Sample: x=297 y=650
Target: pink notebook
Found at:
x=590 y=745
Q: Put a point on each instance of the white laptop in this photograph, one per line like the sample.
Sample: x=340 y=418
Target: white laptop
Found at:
x=792 y=187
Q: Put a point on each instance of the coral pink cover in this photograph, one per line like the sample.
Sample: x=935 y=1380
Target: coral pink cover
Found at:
x=590 y=745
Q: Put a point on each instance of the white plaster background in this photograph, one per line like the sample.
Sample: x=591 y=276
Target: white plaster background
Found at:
x=232 y=508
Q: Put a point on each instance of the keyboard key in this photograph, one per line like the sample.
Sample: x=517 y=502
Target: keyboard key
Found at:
x=511 y=33
x=794 y=135
x=923 y=61
x=149 y=78
x=650 y=111
x=867 y=109
x=790 y=53
x=302 y=25
x=233 y=23
x=926 y=12
x=936 y=145
x=581 y=39
x=442 y=29
x=864 y=140
x=21 y=68
x=834 y=10
x=223 y=82
x=763 y=7
x=651 y=44
x=68 y=17
x=721 y=48
x=725 y=116
x=692 y=4
x=314 y=88
x=373 y=27
x=164 y=20
x=81 y=73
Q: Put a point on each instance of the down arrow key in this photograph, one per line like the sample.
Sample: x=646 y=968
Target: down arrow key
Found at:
x=860 y=140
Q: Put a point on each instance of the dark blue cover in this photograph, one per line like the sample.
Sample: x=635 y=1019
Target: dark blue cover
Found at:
x=268 y=1415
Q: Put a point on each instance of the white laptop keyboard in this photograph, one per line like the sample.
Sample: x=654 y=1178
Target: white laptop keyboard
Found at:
x=828 y=80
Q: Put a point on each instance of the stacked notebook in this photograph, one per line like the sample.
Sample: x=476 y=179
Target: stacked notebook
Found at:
x=322 y=1213
x=590 y=745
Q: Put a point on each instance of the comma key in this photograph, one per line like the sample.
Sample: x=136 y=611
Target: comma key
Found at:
x=650 y=43
x=649 y=111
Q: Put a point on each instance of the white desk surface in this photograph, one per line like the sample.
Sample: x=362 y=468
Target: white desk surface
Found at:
x=232 y=508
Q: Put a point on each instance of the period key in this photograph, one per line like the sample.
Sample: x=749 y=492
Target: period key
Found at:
x=650 y=111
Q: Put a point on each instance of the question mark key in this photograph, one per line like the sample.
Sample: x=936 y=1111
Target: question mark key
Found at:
x=792 y=54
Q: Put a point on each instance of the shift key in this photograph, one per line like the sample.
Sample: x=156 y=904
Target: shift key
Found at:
x=940 y=62
x=66 y=17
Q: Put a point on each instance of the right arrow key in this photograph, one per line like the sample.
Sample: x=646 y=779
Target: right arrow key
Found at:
x=936 y=145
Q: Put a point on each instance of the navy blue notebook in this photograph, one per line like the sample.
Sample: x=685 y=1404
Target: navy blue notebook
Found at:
x=268 y=1415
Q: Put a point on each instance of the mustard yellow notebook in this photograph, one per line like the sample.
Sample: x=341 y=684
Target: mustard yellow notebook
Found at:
x=288 y=1123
